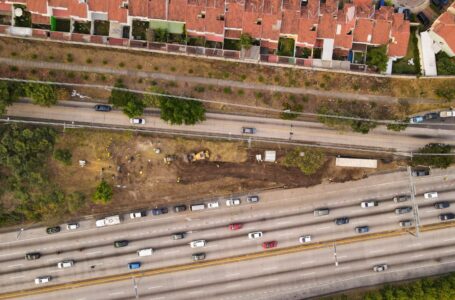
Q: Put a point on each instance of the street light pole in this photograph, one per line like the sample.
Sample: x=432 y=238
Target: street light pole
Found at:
x=135 y=288
x=415 y=206
x=335 y=254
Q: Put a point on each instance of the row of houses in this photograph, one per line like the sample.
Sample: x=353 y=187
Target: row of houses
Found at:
x=326 y=30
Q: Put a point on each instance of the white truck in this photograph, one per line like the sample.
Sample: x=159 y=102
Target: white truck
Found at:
x=112 y=220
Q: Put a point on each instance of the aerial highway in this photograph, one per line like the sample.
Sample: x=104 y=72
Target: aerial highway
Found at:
x=282 y=216
x=230 y=126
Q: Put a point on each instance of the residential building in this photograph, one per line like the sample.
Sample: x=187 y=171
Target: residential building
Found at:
x=443 y=31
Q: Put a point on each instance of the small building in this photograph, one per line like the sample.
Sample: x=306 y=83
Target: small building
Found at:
x=428 y=54
x=270 y=156
x=356 y=163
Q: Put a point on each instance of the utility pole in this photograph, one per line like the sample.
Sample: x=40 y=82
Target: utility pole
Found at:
x=135 y=288
x=335 y=254
x=415 y=206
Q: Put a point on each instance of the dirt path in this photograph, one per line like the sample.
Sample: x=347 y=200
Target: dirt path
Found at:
x=202 y=80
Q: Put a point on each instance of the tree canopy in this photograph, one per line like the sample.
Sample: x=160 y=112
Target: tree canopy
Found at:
x=134 y=108
x=9 y=92
x=377 y=57
x=246 y=41
x=63 y=155
x=103 y=193
x=434 y=160
x=308 y=160
x=176 y=111
x=41 y=94
x=120 y=98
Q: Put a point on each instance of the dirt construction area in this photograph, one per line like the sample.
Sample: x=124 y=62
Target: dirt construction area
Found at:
x=135 y=166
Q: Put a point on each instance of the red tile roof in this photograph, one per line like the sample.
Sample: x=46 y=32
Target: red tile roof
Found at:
x=381 y=32
x=40 y=19
x=364 y=8
x=444 y=26
x=250 y=24
x=233 y=11
x=290 y=23
x=37 y=6
x=400 y=33
x=5 y=6
x=327 y=27
x=307 y=32
x=363 y=32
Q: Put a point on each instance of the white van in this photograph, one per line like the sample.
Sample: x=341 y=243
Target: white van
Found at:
x=195 y=207
x=145 y=252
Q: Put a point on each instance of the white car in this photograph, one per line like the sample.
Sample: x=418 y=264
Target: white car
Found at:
x=233 y=202
x=380 y=268
x=137 y=121
x=430 y=195
x=198 y=244
x=305 y=239
x=145 y=252
x=65 y=264
x=214 y=204
x=137 y=214
x=370 y=203
x=72 y=226
x=255 y=235
x=42 y=279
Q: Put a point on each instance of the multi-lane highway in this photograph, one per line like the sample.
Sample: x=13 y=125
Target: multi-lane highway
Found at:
x=230 y=126
x=282 y=216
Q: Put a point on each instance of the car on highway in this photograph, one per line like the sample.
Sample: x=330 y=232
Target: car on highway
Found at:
x=430 y=195
x=405 y=223
x=369 y=203
x=137 y=121
x=321 y=212
x=103 y=107
x=235 y=226
x=178 y=235
x=42 y=279
x=32 y=255
x=248 y=130
x=341 y=221
x=233 y=202
x=269 y=244
x=401 y=198
x=446 y=217
x=65 y=264
x=255 y=235
x=159 y=211
x=252 y=199
x=213 y=204
x=305 y=239
x=51 y=230
x=198 y=243
x=120 y=244
x=145 y=252
x=134 y=265
x=72 y=226
x=380 y=268
x=198 y=256
x=416 y=119
x=441 y=205
x=180 y=208
x=138 y=214
x=421 y=172
x=403 y=210
x=362 y=229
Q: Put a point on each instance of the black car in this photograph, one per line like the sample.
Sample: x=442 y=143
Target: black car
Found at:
x=423 y=19
x=102 y=107
x=403 y=210
x=32 y=255
x=362 y=229
x=248 y=130
x=445 y=217
x=252 y=199
x=441 y=205
x=119 y=244
x=51 y=230
x=407 y=14
x=401 y=198
x=418 y=173
x=431 y=116
x=159 y=211
x=198 y=256
x=178 y=235
x=342 y=221
x=180 y=208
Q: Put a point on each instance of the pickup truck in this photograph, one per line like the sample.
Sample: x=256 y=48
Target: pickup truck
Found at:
x=112 y=220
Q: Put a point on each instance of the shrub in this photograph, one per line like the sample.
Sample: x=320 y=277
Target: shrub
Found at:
x=442 y=161
x=377 y=58
x=69 y=57
x=175 y=111
x=63 y=155
x=308 y=160
x=227 y=90
x=246 y=40
x=88 y=60
x=199 y=89
x=41 y=94
x=103 y=193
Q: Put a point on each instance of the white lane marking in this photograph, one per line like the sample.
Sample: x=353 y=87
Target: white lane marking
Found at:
x=449 y=240
x=233 y=285
x=157 y=298
x=418 y=255
x=19 y=276
x=196 y=292
x=325 y=227
x=171 y=252
x=116 y=293
x=271 y=279
x=211 y=245
x=13 y=266
x=232 y=274
x=284 y=222
x=57 y=270
x=94 y=252
x=194 y=280
x=154 y=287
x=6 y=254
x=376 y=251
x=310 y=273
x=307 y=262
x=270 y=268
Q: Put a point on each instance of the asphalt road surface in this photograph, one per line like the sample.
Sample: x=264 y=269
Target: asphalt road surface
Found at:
x=282 y=216
x=231 y=126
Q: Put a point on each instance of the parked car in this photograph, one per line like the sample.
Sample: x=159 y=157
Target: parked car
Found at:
x=321 y=212
x=362 y=229
x=441 y=205
x=213 y=204
x=120 y=244
x=305 y=239
x=134 y=265
x=233 y=202
x=430 y=195
x=403 y=210
x=32 y=255
x=423 y=19
x=255 y=235
x=65 y=264
x=269 y=245
x=252 y=199
x=405 y=223
x=380 y=268
x=420 y=172
x=446 y=217
x=180 y=208
x=401 y=198
x=42 y=279
x=198 y=243
x=370 y=203
x=248 y=130
x=342 y=221
x=447 y=113
x=235 y=226
x=103 y=107
x=159 y=211
x=416 y=120
x=51 y=230
x=138 y=214
x=431 y=116
x=178 y=235
x=137 y=121
x=72 y=226
x=198 y=256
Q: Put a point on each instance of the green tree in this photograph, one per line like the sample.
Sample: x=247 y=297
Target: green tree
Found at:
x=103 y=193
x=5 y=98
x=120 y=98
x=434 y=160
x=295 y=109
x=398 y=127
x=63 y=155
x=176 y=111
x=134 y=108
x=308 y=160
x=246 y=40
x=41 y=94
x=377 y=57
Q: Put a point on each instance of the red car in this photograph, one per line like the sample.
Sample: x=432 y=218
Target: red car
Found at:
x=236 y=226
x=268 y=245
